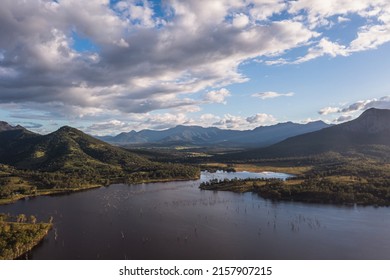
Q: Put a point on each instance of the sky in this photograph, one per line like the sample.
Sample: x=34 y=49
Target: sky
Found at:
x=107 y=67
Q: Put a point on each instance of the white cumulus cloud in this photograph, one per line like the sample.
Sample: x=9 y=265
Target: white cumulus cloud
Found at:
x=328 y=110
x=261 y=119
x=348 y=111
x=217 y=96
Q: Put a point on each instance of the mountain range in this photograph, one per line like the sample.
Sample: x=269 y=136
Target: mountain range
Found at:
x=370 y=129
x=70 y=149
x=4 y=126
x=345 y=163
x=196 y=135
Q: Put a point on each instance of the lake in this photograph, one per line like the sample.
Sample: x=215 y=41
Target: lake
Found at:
x=177 y=220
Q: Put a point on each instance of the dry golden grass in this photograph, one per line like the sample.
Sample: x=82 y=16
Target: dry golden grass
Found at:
x=299 y=170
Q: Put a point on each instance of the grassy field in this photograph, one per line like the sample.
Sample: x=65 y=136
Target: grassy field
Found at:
x=293 y=170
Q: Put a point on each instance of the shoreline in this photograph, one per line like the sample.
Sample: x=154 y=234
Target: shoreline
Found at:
x=294 y=190
x=50 y=192
x=287 y=192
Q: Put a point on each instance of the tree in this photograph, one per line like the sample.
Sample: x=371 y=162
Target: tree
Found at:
x=33 y=219
x=21 y=218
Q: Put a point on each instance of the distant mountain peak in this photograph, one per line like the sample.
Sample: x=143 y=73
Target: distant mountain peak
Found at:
x=373 y=109
x=317 y=122
x=4 y=126
x=375 y=112
x=372 y=120
x=207 y=136
x=2 y=123
x=68 y=129
x=371 y=128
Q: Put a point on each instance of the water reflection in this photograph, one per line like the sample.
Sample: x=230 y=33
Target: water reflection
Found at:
x=220 y=175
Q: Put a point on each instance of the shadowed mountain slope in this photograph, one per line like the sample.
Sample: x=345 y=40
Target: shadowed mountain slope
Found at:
x=371 y=128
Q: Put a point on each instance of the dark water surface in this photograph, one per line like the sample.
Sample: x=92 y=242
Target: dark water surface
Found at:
x=176 y=220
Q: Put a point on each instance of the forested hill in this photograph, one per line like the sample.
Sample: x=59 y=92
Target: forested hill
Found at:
x=68 y=158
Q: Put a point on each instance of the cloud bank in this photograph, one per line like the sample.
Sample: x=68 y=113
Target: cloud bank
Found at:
x=97 y=59
x=347 y=112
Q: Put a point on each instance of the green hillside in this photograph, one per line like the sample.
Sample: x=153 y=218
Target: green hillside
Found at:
x=68 y=149
x=69 y=159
